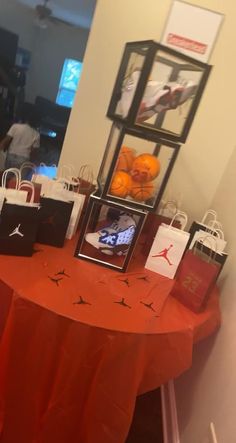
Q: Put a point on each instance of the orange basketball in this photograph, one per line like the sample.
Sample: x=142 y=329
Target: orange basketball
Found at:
x=141 y=192
x=125 y=159
x=145 y=168
x=121 y=184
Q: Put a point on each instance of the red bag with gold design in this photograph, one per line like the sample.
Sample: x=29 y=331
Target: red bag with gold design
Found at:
x=194 y=281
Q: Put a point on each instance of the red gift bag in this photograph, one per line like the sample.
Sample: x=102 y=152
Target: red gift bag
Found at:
x=194 y=281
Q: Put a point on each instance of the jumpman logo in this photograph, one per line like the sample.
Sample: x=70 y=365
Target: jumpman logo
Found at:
x=16 y=231
x=144 y=278
x=148 y=305
x=55 y=280
x=81 y=301
x=163 y=254
x=125 y=281
x=50 y=220
x=63 y=272
x=122 y=303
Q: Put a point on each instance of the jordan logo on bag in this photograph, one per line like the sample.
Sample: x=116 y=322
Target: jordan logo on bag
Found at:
x=16 y=231
x=50 y=220
x=163 y=254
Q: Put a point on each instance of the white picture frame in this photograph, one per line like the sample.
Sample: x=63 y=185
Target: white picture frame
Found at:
x=192 y=30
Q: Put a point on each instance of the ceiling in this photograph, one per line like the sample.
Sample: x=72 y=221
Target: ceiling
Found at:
x=76 y=12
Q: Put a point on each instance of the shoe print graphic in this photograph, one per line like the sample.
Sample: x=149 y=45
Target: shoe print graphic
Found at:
x=164 y=254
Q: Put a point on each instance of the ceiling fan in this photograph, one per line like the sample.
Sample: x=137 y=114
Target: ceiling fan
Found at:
x=44 y=15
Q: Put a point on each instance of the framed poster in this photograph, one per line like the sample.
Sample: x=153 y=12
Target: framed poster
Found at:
x=192 y=30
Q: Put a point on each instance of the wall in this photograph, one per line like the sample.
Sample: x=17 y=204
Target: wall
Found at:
x=18 y=19
x=49 y=47
x=116 y=23
x=207 y=392
x=52 y=46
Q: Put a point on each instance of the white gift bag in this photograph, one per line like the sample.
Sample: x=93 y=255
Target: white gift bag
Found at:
x=12 y=194
x=27 y=170
x=215 y=233
x=168 y=247
x=44 y=175
x=68 y=174
x=209 y=225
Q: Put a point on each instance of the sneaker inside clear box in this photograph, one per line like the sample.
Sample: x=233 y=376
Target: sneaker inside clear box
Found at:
x=109 y=234
x=169 y=93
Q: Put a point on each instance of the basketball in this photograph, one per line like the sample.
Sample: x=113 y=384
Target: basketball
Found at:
x=121 y=184
x=141 y=192
x=145 y=168
x=125 y=159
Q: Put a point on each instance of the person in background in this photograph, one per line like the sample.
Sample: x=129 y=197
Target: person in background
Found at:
x=21 y=139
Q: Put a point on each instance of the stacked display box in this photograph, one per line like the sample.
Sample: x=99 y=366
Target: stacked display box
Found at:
x=155 y=98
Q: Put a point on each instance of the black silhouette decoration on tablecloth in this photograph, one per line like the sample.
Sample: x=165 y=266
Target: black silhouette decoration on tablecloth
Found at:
x=63 y=272
x=55 y=280
x=144 y=278
x=126 y=282
x=81 y=301
x=122 y=303
x=148 y=305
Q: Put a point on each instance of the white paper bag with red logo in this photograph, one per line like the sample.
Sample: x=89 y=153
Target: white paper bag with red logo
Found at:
x=168 y=247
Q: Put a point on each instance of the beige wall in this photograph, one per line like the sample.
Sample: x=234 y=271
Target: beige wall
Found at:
x=211 y=139
x=207 y=392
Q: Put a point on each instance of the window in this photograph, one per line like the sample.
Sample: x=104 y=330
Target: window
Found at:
x=69 y=82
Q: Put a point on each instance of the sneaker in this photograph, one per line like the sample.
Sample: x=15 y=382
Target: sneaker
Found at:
x=115 y=238
x=189 y=90
x=128 y=93
x=160 y=97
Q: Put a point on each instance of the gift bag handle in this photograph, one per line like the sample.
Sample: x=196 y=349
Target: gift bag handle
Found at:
x=69 y=168
x=69 y=178
x=28 y=165
x=217 y=230
x=14 y=171
x=44 y=164
x=169 y=203
x=202 y=240
x=221 y=233
x=207 y=213
x=182 y=215
x=27 y=183
x=64 y=182
x=86 y=173
x=215 y=224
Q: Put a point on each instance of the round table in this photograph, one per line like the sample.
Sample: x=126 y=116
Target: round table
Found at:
x=80 y=342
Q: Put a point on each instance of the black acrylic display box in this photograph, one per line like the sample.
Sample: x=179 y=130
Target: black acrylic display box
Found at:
x=158 y=88
x=136 y=167
x=109 y=233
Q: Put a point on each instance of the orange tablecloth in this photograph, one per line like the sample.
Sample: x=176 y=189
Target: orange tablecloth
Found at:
x=80 y=342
